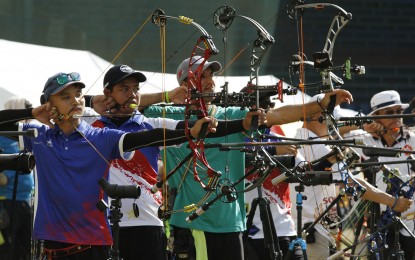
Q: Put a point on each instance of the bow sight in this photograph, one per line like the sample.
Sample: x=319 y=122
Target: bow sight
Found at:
x=329 y=80
x=248 y=96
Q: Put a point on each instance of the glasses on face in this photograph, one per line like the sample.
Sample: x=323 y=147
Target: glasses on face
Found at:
x=65 y=78
x=393 y=111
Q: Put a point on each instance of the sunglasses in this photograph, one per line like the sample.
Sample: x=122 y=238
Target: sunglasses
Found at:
x=65 y=78
x=394 y=112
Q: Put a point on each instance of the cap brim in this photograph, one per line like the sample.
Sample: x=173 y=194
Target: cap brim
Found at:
x=404 y=106
x=214 y=65
x=56 y=91
x=184 y=67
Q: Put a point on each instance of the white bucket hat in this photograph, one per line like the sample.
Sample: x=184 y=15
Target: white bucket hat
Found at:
x=385 y=99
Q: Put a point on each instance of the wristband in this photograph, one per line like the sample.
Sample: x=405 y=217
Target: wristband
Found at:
x=166 y=97
x=394 y=204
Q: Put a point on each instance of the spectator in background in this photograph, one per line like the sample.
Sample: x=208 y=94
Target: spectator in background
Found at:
x=17 y=231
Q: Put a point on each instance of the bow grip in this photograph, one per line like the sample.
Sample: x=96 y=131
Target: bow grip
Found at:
x=332 y=104
x=203 y=130
x=254 y=121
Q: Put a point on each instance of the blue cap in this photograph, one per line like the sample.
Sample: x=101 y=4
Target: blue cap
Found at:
x=60 y=81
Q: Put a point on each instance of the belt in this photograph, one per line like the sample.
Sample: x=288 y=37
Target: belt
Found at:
x=61 y=252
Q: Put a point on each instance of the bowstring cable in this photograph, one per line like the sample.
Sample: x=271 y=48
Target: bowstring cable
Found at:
x=163 y=99
x=119 y=53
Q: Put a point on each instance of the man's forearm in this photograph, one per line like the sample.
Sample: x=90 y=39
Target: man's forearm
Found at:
x=291 y=113
x=176 y=96
x=153 y=138
x=374 y=194
x=149 y=99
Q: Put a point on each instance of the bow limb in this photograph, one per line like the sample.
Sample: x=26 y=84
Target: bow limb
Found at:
x=223 y=18
x=198 y=106
x=351 y=186
x=201 y=52
x=337 y=24
x=296 y=11
x=322 y=60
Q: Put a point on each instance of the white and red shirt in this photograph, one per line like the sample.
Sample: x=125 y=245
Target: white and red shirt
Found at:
x=141 y=170
x=280 y=206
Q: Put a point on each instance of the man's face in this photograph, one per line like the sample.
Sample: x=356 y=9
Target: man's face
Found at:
x=392 y=125
x=125 y=93
x=207 y=80
x=69 y=101
x=208 y=85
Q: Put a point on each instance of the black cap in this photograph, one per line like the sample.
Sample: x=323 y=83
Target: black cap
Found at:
x=120 y=72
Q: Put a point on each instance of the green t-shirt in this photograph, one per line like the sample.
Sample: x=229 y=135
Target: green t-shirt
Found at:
x=221 y=217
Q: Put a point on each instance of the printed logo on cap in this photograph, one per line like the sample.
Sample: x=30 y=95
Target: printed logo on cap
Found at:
x=126 y=69
x=180 y=73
